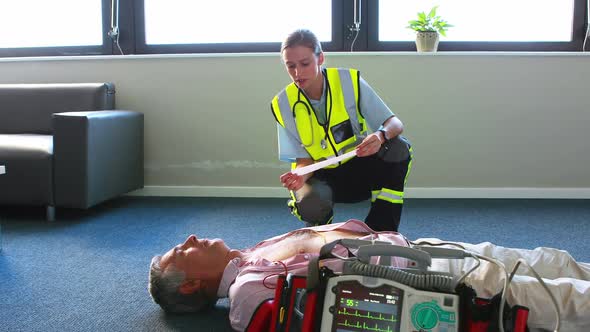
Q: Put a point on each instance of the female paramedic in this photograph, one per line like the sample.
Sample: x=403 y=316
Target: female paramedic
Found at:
x=328 y=112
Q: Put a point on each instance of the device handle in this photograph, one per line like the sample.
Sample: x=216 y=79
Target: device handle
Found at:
x=448 y=253
x=313 y=272
x=326 y=250
x=422 y=258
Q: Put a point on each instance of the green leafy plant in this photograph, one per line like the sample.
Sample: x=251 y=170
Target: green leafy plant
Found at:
x=430 y=22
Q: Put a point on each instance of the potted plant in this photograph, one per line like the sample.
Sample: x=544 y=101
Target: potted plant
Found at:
x=427 y=28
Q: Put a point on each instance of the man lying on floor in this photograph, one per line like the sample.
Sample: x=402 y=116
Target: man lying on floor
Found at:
x=194 y=274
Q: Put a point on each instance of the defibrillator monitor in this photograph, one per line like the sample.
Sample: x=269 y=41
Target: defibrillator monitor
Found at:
x=358 y=308
x=360 y=303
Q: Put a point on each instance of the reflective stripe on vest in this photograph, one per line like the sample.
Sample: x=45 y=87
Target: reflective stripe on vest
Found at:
x=291 y=107
x=350 y=91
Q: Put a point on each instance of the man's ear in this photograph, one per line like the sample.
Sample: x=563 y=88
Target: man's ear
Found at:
x=190 y=286
x=321 y=59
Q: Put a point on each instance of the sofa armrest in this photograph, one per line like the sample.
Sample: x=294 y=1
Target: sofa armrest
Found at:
x=97 y=155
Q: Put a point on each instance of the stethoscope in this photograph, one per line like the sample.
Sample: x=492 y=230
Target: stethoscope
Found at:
x=301 y=112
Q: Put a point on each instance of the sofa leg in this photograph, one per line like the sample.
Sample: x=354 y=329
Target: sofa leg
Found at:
x=50 y=213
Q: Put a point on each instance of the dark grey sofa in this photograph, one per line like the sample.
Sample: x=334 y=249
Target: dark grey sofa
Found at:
x=65 y=145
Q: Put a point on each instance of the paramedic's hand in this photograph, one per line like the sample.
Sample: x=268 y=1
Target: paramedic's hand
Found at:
x=370 y=145
x=292 y=181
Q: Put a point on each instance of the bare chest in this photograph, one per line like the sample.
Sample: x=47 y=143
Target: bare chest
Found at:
x=301 y=242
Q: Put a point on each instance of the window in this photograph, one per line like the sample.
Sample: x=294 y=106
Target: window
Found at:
x=205 y=22
x=72 y=27
x=483 y=21
x=480 y=25
x=228 y=25
x=57 y=26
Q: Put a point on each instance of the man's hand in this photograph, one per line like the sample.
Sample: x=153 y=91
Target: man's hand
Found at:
x=293 y=181
x=370 y=145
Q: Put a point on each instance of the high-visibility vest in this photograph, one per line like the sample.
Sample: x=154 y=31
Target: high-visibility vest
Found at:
x=336 y=136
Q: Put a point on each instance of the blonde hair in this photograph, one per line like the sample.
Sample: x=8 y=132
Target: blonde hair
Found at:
x=302 y=37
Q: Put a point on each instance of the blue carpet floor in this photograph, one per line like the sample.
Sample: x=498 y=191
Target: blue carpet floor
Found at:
x=88 y=270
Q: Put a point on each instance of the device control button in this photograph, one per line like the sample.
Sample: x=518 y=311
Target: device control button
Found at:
x=448 y=301
x=426 y=318
x=425 y=315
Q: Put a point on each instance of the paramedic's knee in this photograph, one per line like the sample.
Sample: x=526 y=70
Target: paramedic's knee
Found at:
x=314 y=204
x=395 y=150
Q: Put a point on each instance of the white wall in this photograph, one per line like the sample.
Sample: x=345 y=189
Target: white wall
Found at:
x=482 y=125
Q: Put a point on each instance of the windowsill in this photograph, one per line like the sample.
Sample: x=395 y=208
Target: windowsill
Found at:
x=266 y=54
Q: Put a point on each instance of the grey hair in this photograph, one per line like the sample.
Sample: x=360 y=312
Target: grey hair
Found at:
x=302 y=37
x=164 y=287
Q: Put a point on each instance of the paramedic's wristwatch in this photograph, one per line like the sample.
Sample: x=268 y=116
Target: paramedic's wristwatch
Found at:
x=384 y=134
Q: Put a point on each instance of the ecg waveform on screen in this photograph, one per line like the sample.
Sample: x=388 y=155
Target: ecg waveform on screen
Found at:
x=368 y=315
x=365 y=327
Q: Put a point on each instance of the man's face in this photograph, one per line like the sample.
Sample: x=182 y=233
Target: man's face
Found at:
x=302 y=65
x=202 y=259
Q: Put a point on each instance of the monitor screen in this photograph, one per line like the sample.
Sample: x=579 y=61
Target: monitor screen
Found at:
x=361 y=308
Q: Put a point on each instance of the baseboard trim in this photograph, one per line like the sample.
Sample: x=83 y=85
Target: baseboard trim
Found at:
x=534 y=193
x=205 y=191
x=278 y=192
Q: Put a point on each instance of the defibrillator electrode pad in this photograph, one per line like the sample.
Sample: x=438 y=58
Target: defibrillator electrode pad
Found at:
x=360 y=303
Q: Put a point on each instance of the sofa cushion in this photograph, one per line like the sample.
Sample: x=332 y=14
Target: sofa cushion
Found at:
x=25 y=146
x=28 y=161
x=27 y=108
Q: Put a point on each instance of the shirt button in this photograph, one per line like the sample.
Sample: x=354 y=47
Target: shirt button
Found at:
x=306 y=256
x=236 y=260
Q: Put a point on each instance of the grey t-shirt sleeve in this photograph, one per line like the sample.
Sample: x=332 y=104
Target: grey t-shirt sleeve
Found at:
x=289 y=146
x=372 y=106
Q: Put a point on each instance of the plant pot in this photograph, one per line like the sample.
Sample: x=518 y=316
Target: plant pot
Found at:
x=426 y=41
